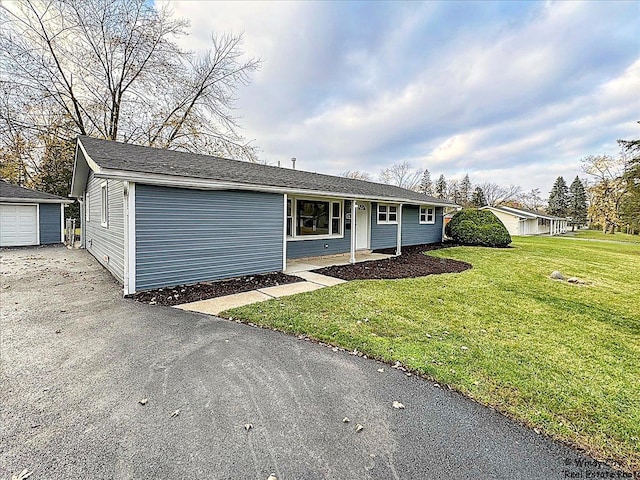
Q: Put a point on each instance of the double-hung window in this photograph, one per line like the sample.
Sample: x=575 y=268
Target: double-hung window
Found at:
x=387 y=213
x=289 y=219
x=427 y=215
x=104 y=205
x=317 y=217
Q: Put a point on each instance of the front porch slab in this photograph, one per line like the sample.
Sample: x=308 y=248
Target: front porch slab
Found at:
x=295 y=266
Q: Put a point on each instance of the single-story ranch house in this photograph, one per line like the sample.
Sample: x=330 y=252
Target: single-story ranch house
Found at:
x=29 y=217
x=157 y=218
x=528 y=222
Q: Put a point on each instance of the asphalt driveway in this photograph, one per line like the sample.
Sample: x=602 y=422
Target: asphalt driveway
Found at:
x=76 y=358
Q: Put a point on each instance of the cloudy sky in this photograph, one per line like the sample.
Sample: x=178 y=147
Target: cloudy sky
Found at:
x=511 y=92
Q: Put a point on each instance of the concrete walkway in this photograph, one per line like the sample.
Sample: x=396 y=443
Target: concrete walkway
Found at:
x=300 y=268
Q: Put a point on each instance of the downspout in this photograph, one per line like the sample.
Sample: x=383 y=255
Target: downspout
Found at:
x=399 y=230
x=354 y=205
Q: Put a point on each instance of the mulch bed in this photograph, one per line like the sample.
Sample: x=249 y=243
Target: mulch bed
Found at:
x=203 y=291
x=412 y=263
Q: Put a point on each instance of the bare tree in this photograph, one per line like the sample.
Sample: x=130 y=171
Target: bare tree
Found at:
x=356 y=175
x=532 y=199
x=402 y=174
x=112 y=69
x=495 y=193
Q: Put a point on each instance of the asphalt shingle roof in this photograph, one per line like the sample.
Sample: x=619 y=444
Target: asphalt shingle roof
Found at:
x=10 y=191
x=134 y=158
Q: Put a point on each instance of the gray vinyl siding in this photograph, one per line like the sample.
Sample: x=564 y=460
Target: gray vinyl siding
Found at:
x=382 y=235
x=415 y=233
x=187 y=236
x=50 y=223
x=106 y=243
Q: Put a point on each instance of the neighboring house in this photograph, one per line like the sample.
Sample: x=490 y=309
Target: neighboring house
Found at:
x=157 y=218
x=29 y=217
x=519 y=221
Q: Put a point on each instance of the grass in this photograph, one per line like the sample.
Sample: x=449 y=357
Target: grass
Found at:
x=559 y=357
x=598 y=235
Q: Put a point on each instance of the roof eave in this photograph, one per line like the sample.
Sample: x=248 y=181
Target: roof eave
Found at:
x=34 y=200
x=209 y=184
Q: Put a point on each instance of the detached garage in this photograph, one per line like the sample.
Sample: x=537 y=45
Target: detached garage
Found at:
x=29 y=217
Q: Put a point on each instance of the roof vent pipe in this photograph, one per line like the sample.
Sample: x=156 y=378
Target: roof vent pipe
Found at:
x=293 y=162
x=278 y=163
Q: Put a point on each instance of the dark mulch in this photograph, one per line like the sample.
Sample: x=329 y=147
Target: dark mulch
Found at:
x=203 y=291
x=412 y=263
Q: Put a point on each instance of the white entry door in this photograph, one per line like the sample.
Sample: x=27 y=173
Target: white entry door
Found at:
x=18 y=225
x=362 y=226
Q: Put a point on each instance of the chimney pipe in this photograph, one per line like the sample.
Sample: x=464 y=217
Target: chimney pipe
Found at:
x=293 y=162
x=278 y=163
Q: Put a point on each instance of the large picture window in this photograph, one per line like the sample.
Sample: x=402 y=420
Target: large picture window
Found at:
x=317 y=217
x=427 y=215
x=387 y=213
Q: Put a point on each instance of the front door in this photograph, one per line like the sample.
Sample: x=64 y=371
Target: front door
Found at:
x=362 y=226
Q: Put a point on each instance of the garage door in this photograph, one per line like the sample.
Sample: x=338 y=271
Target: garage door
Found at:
x=18 y=225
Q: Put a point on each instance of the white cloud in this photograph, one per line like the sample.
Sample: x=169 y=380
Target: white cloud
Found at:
x=513 y=98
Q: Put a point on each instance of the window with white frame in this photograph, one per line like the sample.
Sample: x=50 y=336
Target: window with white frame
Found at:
x=104 y=205
x=316 y=218
x=427 y=215
x=387 y=213
x=289 y=219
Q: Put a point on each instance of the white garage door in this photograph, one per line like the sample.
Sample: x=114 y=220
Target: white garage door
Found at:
x=18 y=225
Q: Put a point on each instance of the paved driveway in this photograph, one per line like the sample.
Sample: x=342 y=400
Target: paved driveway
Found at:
x=69 y=400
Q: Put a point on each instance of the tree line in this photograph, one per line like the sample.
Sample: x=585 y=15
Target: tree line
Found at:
x=112 y=70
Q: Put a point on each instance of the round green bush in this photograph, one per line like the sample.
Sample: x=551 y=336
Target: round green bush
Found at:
x=477 y=227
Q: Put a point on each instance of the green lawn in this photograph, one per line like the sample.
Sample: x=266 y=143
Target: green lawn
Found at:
x=598 y=235
x=560 y=357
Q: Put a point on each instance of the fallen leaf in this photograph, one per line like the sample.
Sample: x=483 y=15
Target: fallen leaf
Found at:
x=408 y=374
x=428 y=336
x=464 y=348
x=143 y=401
x=58 y=331
x=346 y=420
x=272 y=477
x=381 y=370
x=397 y=405
x=436 y=385
x=22 y=475
x=359 y=428
x=248 y=426
x=176 y=413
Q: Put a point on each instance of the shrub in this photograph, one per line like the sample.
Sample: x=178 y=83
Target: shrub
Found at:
x=478 y=227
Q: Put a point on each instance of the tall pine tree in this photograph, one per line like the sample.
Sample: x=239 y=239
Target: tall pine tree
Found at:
x=465 y=190
x=559 y=198
x=477 y=198
x=577 y=208
x=426 y=185
x=441 y=187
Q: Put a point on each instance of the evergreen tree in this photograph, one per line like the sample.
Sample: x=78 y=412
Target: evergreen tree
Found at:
x=477 y=198
x=426 y=185
x=453 y=192
x=465 y=190
x=559 y=198
x=577 y=208
x=441 y=187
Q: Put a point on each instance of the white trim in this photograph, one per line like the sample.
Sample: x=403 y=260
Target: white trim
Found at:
x=20 y=200
x=83 y=222
x=426 y=215
x=399 y=231
x=62 y=223
x=203 y=184
x=129 y=239
x=294 y=218
x=104 y=204
x=352 y=258
x=284 y=233
x=388 y=213
x=38 y=223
